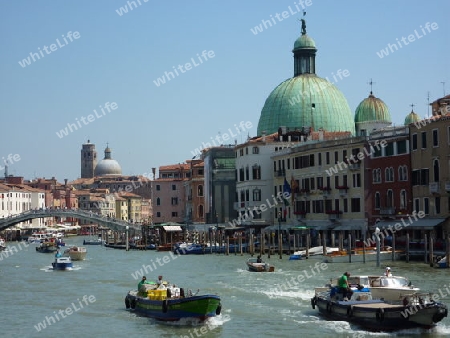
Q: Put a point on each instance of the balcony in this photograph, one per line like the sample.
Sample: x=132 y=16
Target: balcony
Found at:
x=354 y=166
x=388 y=211
x=342 y=190
x=434 y=188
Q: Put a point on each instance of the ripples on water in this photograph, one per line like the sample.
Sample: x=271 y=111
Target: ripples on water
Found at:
x=253 y=304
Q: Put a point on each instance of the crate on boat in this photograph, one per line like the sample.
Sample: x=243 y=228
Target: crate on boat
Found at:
x=157 y=294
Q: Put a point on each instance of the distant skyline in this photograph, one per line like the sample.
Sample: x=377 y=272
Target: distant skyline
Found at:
x=159 y=80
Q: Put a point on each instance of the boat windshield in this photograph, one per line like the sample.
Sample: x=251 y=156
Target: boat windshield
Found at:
x=394 y=281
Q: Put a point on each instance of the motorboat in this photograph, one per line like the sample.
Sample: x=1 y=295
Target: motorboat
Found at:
x=358 y=256
x=62 y=263
x=441 y=262
x=314 y=251
x=37 y=238
x=76 y=253
x=418 y=310
x=391 y=289
x=259 y=266
x=47 y=247
x=172 y=303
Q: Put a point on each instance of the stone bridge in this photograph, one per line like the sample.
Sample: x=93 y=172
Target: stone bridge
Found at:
x=111 y=223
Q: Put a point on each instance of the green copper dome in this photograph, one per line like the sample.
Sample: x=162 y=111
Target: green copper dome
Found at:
x=411 y=118
x=304 y=41
x=372 y=109
x=306 y=100
x=291 y=105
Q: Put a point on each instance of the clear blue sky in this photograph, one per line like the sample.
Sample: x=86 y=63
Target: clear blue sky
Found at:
x=118 y=58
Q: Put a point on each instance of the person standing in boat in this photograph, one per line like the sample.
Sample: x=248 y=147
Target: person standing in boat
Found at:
x=160 y=283
x=58 y=254
x=344 y=286
x=142 y=282
x=258 y=259
x=388 y=273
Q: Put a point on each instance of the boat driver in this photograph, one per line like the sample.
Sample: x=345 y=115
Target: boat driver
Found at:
x=344 y=286
x=388 y=273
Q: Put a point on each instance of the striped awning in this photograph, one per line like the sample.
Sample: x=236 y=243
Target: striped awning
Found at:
x=172 y=228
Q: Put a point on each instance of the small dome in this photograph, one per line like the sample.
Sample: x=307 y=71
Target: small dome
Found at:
x=304 y=41
x=372 y=109
x=411 y=118
x=107 y=166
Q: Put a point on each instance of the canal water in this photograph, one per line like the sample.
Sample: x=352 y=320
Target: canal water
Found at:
x=253 y=304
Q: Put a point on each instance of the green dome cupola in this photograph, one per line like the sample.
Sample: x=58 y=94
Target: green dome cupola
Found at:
x=411 y=118
x=306 y=100
x=372 y=113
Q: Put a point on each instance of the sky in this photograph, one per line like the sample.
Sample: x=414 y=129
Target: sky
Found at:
x=93 y=66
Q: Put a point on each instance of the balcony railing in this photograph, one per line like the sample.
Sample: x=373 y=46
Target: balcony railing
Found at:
x=434 y=187
x=387 y=210
x=354 y=166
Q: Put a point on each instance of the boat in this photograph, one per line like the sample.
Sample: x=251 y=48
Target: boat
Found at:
x=172 y=304
x=47 y=247
x=2 y=244
x=97 y=241
x=76 y=253
x=314 y=251
x=255 y=266
x=392 y=289
x=358 y=256
x=62 y=263
x=37 y=238
x=418 y=310
x=205 y=248
x=441 y=262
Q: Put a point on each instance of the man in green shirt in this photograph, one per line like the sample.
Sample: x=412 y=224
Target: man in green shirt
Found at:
x=143 y=281
x=344 y=286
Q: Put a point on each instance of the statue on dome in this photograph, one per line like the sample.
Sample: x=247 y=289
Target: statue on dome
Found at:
x=303 y=26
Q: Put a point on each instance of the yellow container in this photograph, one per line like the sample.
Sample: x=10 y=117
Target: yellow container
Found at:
x=157 y=294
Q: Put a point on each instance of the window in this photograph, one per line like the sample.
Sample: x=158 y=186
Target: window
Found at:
x=424 y=176
x=247 y=174
x=256 y=172
x=436 y=170
x=389 y=174
x=377 y=201
x=256 y=194
x=376 y=175
x=200 y=211
x=158 y=201
x=416 y=205
x=336 y=157
x=174 y=187
x=435 y=138
x=327 y=156
x=414 y=142
x=356 y=180
x=426 y=205
x=246 y=151
x=390 y=199
x=318 y=206
x=424 y=140
x=389 y=149
x=345 y=205
x=241 y=152
x=355 y=205
x=174 y=201
x=158 y=214
x=319 y=182
x=241 y=174
x=437 y=205
x=320 y=154
x=174 y=214
x=401 y=147
x=403 y=173
x=403 y=199
x=200 y=172
x=200 y=191
x=158 y=187
x=255 y=150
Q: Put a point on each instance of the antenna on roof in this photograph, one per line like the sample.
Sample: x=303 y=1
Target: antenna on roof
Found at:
x=443 y=86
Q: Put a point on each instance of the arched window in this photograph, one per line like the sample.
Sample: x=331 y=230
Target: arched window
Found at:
x=403 y=199
x=377 y=200
x=200 y=191
x=158 y=201
x=390 y=198
x=436 y=170
x=256 y=194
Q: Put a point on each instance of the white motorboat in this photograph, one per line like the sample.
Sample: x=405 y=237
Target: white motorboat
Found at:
x=76 y=253
x=37 y=238
x=314 y=251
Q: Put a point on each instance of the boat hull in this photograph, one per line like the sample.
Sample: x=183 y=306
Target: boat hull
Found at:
x=199 y=307
x=62 y=266
x=379 y=316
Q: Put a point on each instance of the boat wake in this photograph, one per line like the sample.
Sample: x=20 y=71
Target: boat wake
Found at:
x=211 y=323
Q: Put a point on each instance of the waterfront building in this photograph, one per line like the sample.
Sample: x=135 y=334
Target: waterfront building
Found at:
x=220 y=184
x=168 y=192
x=195 y=193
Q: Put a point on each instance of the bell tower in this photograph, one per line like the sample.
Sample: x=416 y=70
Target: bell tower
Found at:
x=88 y=160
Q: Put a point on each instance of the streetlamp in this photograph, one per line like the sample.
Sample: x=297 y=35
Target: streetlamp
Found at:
x=377 y=235
x=279 y=233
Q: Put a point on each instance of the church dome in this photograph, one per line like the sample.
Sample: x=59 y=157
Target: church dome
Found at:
x=411 y=118
x=372 y=109
x=306 y=100
x=107 y=166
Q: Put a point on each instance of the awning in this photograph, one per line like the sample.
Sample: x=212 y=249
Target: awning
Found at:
x=410 y=223
x=347 y=227
x=321 y=225
x=172 y=228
